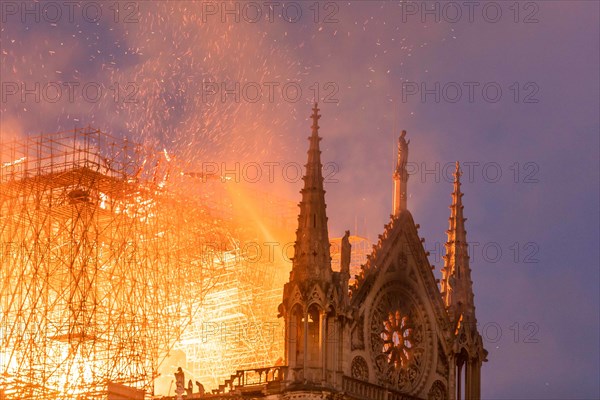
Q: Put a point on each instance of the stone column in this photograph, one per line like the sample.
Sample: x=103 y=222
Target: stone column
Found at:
x=452 y=377
x=468 y=380
x=305 y=338
x=476 y=391
x=458 y=381
x=323 y=343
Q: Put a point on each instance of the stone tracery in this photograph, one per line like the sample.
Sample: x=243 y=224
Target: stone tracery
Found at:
x=398 y=346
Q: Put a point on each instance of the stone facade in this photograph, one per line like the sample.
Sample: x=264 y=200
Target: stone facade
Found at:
x=393 y=335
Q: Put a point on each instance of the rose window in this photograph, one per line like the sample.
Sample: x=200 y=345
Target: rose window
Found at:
x=398 y=340
x=397 y=337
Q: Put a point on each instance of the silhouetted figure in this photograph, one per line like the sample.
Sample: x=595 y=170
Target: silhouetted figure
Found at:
x=200 y=388
x=179 y=383
x=190 y=388
x=346 y=249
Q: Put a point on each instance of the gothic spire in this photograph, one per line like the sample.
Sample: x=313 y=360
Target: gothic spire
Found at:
x=400 y=177
x=312 y=258
x=457 y=287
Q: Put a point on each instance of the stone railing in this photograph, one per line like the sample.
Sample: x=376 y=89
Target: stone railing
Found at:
x=366 y=390
x=252 y=378
x=273 y=379
x=363 y=389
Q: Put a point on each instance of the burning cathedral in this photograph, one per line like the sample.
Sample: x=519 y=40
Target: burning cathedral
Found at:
x=394 y=333
x=95 y=230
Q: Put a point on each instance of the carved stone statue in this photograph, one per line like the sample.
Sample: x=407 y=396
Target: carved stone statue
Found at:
x=179 y=383
x=402 y=156
x=345 y=255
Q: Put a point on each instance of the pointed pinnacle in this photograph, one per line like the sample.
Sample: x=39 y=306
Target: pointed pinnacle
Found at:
x=457 y=194
x=315 y=117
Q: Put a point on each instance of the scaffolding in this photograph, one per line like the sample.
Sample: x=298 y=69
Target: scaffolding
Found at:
x=238 y=327
x=109 y=263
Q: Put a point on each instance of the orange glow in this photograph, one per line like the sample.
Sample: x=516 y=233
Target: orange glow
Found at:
x=117 y=268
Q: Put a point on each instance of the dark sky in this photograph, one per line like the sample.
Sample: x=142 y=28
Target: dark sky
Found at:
x=511 y=91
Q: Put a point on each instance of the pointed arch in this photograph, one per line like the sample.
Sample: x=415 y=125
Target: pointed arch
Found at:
x=314 y=335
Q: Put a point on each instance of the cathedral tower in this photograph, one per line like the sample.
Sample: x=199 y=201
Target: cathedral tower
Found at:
x=315 y=298
x=312 y=259
x=457 y=291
